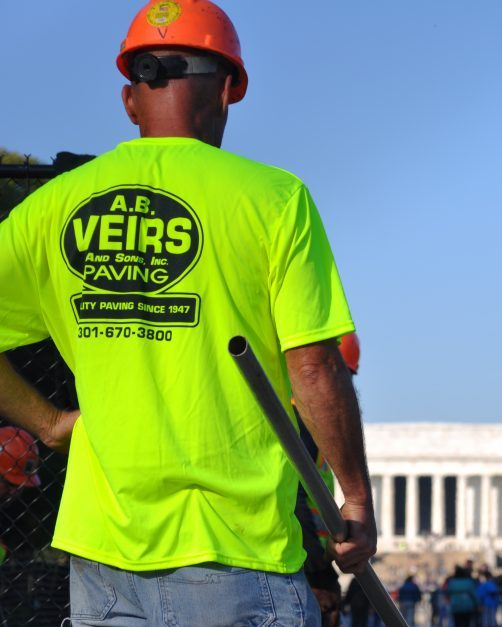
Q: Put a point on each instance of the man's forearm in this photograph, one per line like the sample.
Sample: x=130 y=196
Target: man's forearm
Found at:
x=23 y=405
x=327 y=403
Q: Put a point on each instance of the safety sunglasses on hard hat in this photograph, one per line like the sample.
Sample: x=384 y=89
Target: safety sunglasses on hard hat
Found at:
x=147 y=67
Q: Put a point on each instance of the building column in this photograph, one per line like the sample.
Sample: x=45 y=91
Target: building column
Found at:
x=411 y=507
x=473 y=506
x=438 y=505
x=387 y=509
x=496 y=506
x=376 y=490
x=460 y=509
x=486 y=528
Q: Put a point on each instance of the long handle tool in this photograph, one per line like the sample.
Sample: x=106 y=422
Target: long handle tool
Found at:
x=266 y=396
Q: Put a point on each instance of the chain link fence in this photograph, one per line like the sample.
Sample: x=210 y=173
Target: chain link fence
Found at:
x=34 y=578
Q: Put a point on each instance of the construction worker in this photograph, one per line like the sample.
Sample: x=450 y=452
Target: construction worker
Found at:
x=178 y=505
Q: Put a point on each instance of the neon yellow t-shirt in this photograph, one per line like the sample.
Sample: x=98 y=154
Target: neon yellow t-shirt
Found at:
x=141 y=265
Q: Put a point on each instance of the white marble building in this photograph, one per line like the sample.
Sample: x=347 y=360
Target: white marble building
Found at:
x=437 y=487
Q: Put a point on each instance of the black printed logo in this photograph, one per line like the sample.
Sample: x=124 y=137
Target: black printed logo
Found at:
x=132 y=239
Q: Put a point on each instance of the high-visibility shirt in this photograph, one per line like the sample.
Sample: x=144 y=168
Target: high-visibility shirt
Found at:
x=141 y=265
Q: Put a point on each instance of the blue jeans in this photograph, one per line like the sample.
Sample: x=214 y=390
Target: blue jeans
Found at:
x=489 y=617
x=207 y=595
x=408 y=610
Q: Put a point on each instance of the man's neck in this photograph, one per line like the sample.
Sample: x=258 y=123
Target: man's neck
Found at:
x=206 y=135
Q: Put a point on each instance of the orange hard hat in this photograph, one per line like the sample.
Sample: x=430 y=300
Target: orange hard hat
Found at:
x=351 y=351
x=19 y=458
x=198 y=24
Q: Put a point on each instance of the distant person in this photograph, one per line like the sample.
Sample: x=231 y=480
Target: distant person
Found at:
x=469 y=567
x=434 y=601
x=489 y=599
x=440 y=606
x=462 y=594
x=409 y=595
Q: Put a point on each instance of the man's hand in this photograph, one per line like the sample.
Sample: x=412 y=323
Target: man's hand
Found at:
x=24 y=406
x=352 y=555
x=58 y=435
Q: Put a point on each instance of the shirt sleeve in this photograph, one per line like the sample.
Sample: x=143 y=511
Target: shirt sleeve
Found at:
x=307 y=298
x=21 y=319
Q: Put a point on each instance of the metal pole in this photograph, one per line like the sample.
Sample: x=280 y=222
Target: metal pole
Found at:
x=266 y=396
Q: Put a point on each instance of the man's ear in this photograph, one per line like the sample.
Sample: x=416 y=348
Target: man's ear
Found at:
x=129 y=104
x=225 y=94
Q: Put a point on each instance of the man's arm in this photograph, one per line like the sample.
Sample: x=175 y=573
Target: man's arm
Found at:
x=327 y=403
x=24 y=406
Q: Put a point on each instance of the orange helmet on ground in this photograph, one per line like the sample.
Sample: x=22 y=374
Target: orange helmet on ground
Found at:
x=19 y=458
x=198 y=24
x=351 y=351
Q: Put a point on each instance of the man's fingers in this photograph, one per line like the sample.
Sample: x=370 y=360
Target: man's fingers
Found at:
x=350 y=558
x=339 y=537
x=362 y=548
x=352 y=563
x=352 y=555
x=355 y=569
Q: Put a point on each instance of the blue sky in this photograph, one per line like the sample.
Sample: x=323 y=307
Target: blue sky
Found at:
x=391 y=113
